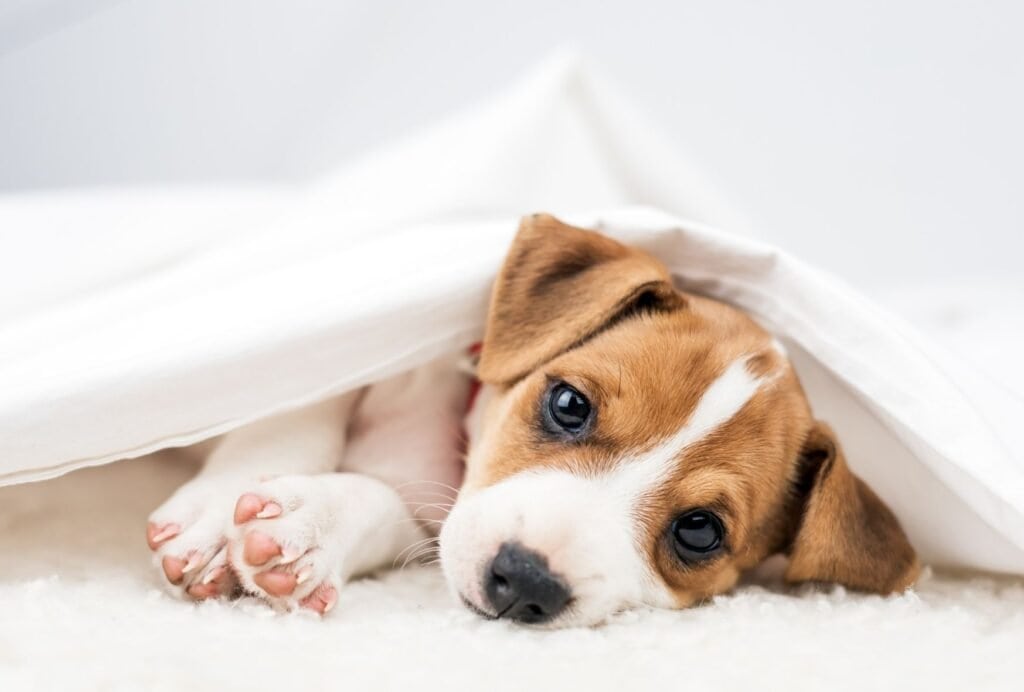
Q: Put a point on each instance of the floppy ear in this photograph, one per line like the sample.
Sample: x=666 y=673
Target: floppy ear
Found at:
x=846 y=534
x=559 y=285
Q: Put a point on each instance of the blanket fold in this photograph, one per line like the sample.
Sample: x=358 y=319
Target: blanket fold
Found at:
x=192 y=311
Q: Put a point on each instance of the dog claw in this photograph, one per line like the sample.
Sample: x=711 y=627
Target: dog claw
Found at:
x=203 y=591
x=332 y=600
x=322 y=600
x=214 y=574
x=194 y=560
x=174 y=569
x=155 y=535
x=247 y=507
x=290 y=555
x=269 y=511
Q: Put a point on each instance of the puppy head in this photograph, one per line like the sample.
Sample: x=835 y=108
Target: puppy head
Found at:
x=635 y=445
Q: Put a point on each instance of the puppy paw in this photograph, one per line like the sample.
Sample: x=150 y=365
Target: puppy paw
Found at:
x=286 y=545
x=187 y=535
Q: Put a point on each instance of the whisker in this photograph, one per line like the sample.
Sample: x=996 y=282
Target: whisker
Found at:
x=423 y=552
x=417 y=504
x=437 y=492
x=451 y=501
x=444 y=508
x=417 y=520
x=432 y=505
x=427 y=482
x=419 y=498
x=414 y=547
x=422 y=541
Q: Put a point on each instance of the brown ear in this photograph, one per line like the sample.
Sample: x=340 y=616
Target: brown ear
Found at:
x=558 y=286
x=846 y=534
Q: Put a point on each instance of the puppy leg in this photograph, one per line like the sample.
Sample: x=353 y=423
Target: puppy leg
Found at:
x=321 y=531
x=408 y=432
x=188 y=533
x=404 y=450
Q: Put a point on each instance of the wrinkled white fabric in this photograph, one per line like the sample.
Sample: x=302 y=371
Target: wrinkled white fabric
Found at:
x=135 y=320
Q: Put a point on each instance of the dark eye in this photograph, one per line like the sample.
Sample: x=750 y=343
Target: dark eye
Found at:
x=696 y=534
x=569 y=410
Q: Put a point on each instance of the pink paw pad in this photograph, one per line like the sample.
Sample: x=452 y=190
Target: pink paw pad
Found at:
x=214 y=584
x=276 y=582
x=259 y=548
x=174 y=568
x=251 y=506
x=158 y=533
x=322 y=600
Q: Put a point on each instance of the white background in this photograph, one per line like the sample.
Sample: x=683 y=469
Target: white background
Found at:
x=879 y=139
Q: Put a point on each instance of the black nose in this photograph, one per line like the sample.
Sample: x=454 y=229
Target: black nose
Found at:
x=520 y=586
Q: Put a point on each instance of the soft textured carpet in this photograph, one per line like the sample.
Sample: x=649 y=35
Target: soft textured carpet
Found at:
x=81 y=608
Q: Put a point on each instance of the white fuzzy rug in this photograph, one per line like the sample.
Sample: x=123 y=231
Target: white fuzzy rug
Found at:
x=80 y=608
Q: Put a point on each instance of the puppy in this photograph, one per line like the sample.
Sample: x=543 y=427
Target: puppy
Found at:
x=630 y=445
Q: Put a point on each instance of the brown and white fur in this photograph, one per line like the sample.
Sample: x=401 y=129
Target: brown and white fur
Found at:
x=692 y=406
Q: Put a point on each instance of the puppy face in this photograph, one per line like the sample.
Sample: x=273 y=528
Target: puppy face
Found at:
x=635 y=445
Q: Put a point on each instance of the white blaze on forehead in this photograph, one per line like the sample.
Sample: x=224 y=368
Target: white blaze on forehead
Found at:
x=719 y=403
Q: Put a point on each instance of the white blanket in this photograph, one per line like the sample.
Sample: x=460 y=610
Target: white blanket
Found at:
x=137 y=320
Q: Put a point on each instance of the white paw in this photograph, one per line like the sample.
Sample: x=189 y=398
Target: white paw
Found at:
x=289 y=545
x=188 y=537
